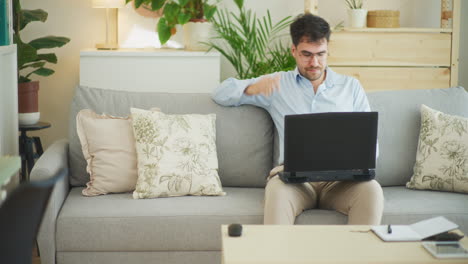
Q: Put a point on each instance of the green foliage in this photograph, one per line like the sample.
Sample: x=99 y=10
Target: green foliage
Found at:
x=177 y=12
x=252 y=45
x=354 y=4
x=28 y=56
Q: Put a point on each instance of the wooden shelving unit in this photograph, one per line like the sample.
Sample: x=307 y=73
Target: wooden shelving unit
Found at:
x=416 y=30
x=400 y=58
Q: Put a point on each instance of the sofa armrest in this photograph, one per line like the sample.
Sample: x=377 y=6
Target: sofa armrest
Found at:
x=52 y=162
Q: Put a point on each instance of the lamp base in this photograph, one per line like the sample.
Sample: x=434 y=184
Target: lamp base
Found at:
x=107 y=46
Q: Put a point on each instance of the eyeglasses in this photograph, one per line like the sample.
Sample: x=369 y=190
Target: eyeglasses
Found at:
x=307 y=57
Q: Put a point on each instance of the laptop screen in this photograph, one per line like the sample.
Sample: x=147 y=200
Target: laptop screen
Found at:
x=330 y=141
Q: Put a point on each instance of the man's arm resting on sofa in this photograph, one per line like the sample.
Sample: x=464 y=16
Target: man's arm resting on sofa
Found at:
x=54 y=161
x=234 y=92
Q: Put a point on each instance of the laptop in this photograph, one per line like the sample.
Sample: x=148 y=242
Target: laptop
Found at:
x=338 y=146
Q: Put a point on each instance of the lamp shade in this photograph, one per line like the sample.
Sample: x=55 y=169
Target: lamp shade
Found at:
x=108 y=3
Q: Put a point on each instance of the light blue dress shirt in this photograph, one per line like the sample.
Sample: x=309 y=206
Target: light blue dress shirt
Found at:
x=338 y=93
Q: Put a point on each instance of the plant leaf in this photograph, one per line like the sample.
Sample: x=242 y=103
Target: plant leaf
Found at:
x=28 y=16
x=23 y=79
x=239 y=3
x=34 y=65
x=183 y=18
x=209 y=11
x=26 y=52
x=252 y=45
x=183 y=2
x=49 y=42
x=138 y=3
x=164 y=31
x=171 y=13
x=42 y=72
x=157 y=4
x=49 y=57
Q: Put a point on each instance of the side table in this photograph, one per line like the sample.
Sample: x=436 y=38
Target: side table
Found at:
x=27 y=152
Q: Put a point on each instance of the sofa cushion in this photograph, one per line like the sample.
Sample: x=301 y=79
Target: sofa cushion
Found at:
x=116 y=222
x=176 y=154
x=244 y=134
x=406 y=206
x=399 y=123
x=442 y=155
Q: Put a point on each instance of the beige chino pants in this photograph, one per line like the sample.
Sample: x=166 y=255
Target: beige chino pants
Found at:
x=362 y=202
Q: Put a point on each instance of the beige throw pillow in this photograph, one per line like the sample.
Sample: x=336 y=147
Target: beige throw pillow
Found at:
x=176 y=154
x=108 y=146
x=442 y=154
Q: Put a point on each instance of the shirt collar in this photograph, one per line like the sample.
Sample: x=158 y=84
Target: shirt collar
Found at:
x=331 y=79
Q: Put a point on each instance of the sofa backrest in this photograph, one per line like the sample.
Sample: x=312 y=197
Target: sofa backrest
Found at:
x=399 y=124
x=244 y=135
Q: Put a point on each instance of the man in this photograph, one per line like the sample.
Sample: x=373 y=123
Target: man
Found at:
x=312 y=87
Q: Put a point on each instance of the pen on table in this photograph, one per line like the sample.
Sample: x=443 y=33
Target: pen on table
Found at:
x=389 y=229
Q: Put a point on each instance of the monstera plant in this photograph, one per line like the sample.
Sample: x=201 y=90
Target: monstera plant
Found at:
x=31 y=61
x=178 y=12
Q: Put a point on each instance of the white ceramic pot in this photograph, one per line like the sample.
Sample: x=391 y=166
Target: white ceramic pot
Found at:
x=196 y=32
x=357 y=18
x=29 y=118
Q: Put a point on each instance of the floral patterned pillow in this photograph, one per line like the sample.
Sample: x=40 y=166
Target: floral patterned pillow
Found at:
x=176 y=154
x=442 y=155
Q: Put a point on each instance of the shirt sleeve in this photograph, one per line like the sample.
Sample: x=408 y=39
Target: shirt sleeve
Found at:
x=360 y=104
x=231 y=93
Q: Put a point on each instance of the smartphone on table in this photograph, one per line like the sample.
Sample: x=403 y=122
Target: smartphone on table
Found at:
x=446 y=249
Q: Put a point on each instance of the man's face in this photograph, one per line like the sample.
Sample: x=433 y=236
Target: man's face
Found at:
x=311 y=58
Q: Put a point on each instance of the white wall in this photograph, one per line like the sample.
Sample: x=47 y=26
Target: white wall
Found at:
x=86 y=27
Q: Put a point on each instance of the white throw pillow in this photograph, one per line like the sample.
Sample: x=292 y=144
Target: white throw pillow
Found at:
x=442 y=154
x=176 y=154
x=108 y=146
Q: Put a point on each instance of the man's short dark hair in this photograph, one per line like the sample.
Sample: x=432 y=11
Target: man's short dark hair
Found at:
x=309 y=28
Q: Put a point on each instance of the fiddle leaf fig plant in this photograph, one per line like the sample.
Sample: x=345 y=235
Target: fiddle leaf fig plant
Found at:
x=30 y=61
x=178 y=12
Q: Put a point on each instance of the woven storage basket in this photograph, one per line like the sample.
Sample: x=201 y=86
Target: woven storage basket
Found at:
x=383 y=19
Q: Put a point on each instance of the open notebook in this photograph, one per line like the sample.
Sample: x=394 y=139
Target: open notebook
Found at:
x=415 y=232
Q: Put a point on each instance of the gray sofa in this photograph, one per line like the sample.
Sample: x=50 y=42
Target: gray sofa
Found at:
x=115 y=228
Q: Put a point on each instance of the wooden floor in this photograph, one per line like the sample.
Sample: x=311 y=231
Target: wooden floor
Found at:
x=35 y=258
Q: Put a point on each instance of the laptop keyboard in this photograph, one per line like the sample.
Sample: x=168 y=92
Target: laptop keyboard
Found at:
x=334 y=175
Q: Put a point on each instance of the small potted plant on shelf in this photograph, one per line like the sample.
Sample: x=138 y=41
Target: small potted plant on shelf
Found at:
x=356 y=14
x=31 y=62
x=194 y=15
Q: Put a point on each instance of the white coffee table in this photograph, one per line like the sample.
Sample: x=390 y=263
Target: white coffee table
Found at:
x=320 y=244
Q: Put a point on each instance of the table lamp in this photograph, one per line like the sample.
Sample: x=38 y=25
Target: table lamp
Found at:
x=111 y=22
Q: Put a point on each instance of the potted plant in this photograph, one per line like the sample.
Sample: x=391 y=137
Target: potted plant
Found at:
x=193 y=14
x=356 y=14
x=31 y=62
x=252 y=45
